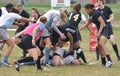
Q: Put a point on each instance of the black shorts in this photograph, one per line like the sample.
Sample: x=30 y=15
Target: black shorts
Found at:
x=76 y=37
x=105 y=32
x=110 y=30
x=26 y=41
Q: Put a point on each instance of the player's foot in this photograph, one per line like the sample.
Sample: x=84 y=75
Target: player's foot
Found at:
x=17 y=66
x=109 y=64
x=0 y=63
x=6 y=64
x=40 y=69
x=119 y=58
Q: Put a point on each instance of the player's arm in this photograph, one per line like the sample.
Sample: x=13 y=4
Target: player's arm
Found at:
x=19 y=34
x=23 y=19
x=34 y=34
x=35 y=30
x=111 y=17
x=54 y=26
x=100 y=19
x=86 y=24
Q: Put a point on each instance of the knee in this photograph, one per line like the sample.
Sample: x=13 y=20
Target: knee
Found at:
x=48 y=45
x=101 y=44
x=112 y=42
x=35 y=58
x=11 y=44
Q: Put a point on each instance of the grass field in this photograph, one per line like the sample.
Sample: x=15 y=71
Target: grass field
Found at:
x=80 y=70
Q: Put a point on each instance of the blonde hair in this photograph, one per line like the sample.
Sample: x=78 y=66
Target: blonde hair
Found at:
x=64 y=14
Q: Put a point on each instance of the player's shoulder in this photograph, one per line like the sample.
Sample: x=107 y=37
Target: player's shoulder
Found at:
x=107 y=8
x=97 y=12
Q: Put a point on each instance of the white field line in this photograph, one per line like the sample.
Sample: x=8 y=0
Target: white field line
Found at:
x=11 y=29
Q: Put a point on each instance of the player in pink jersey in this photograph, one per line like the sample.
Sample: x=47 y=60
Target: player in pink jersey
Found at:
x=28 y=40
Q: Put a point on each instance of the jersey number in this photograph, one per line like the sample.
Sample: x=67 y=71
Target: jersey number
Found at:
x=75 y=16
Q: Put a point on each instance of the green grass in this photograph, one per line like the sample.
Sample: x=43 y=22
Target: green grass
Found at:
x=80 y=70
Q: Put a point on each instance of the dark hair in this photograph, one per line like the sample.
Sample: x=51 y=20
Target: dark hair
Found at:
x=15 y=11
x=43 y=19
x=9 y=5
x=36 y=11
x=77 y=7
x=103 y=1
x=91 y=6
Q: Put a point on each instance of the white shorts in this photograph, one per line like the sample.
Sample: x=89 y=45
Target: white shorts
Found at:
x=4 y=35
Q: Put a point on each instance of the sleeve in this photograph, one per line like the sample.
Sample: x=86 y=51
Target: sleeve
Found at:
x=83 y=17
x=16 y=16
x=110 y=11
x=54 y=24
x=97 y=15
x=41 y=26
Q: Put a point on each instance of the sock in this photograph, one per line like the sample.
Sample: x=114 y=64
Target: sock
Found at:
x=5 y=59
x=83 y=57
x=27 y=59
x=103 y=61
x=47 y=53
x=108 y=58
x=29 y=63
x=51 y=62
x=116 y=50
x=81 y=54
x=38 y=63
x=97 y=53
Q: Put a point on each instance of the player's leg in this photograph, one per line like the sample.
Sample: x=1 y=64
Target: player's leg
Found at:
x=103 y=41
x=47 y=42
x=5 y=36
x=114 y=45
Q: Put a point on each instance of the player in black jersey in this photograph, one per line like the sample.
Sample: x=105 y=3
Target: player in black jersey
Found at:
x=97 y=18
x=72 y=27
x=73 y=22
x=109 y=16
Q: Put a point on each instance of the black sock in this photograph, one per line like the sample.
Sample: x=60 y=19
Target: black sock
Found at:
x=108 y=58
x=81 y=54
x=103 y=61
x=83 y=57
x=27 y=59
x=38 y=63
x=97 y=53
x=116 y=50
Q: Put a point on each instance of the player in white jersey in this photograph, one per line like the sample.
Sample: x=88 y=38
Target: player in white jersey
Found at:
x=6 y=21
x=53 y=17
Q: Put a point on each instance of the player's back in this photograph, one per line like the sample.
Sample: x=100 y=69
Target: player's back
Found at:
x=74 y=19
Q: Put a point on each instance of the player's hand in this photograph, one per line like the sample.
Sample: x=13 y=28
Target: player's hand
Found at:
x=108 y=20
x=62 y=36
x=33 y=42
x=22 y=23
x=81 y=28
x=98 y=34
x=92 y=32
